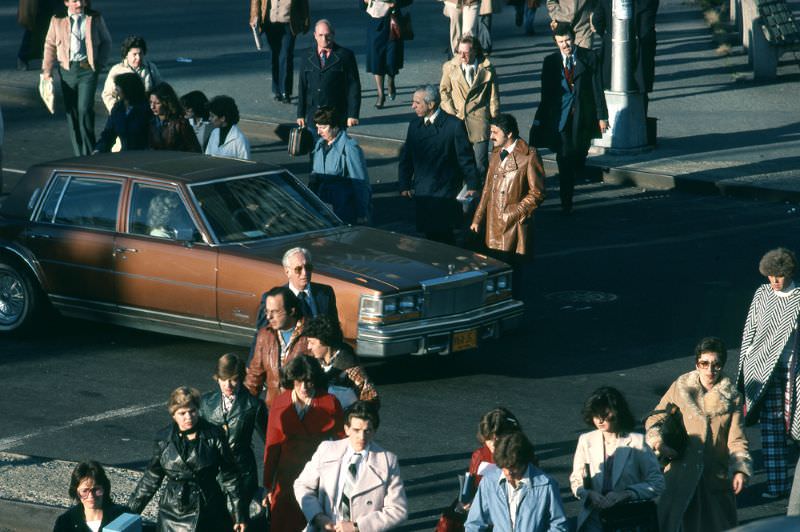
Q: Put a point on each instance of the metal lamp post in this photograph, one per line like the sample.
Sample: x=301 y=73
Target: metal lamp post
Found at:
x=627 y=121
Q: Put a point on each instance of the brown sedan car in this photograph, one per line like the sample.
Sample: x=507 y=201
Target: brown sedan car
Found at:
x=186 y=244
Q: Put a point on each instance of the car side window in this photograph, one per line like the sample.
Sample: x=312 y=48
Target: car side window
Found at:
x=88 y=202
x=51 y=201
x=160 y=213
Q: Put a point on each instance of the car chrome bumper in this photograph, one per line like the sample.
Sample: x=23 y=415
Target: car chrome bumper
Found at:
x=426 y=336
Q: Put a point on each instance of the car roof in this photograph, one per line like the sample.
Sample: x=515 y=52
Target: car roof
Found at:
x=173 y=165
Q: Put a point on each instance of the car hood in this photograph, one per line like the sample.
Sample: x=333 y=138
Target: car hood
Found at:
x=379 y=260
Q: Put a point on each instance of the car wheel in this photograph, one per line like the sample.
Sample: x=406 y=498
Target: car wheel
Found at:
x=19 y=298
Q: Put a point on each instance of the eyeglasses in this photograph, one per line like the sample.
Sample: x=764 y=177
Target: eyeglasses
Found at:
x=307 y=267
x=604 y=417
x=97 y=491
x=271 y=313
x=705 y=364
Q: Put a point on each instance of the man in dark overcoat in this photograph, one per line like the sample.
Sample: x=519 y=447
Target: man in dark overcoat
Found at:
x=328 y=76
x=435 y=161
x=572 y=110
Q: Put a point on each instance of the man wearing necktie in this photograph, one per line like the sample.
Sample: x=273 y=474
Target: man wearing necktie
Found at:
x=469 y=91
x=328 y=77
x=572 y=109
x=314 y=298
x=353 y=484
x=513 y=190
x=79 y=43
x=435 y=162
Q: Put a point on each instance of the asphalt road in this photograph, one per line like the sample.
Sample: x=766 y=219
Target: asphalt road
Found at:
x=618 y=294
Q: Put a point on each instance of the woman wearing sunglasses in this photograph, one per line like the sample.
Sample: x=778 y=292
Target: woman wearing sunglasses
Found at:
x=90 y=488
x=700 y=489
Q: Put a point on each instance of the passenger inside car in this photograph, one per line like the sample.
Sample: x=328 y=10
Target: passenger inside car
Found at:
x=160 y=214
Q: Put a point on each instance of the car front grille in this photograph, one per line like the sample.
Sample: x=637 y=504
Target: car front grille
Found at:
x=453 y=294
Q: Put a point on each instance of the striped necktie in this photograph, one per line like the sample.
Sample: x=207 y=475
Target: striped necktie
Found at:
x=347 y=488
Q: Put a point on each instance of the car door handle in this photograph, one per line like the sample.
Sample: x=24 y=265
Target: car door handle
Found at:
x=38 y=235
x=125 y=250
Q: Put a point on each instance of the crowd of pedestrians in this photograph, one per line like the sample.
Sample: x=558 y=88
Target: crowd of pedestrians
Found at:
x=304 y=392
x=302 y=387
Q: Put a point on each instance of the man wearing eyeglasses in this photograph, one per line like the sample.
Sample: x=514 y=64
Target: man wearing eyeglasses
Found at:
x=315 y=299
x=277 y=342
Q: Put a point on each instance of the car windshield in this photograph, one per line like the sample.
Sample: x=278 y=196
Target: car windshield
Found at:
x=260 y=206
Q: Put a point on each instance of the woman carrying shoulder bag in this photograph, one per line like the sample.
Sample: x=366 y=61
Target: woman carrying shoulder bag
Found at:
x=700 y=493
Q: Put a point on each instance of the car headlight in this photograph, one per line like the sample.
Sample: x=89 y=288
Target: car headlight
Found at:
x=490 y=286
x=376 y=309
x=503 y=282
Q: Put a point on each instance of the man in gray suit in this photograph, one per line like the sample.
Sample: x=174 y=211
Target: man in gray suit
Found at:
x=352 y=484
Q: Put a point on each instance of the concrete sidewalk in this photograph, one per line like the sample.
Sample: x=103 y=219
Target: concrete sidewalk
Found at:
x=719 y=131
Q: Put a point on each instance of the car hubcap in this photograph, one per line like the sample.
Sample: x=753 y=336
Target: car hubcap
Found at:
x=12 y=298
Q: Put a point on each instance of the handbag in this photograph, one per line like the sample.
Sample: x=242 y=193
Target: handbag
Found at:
x=400 y=27
x=633 y=516
x=671 y=429
x=299 y=141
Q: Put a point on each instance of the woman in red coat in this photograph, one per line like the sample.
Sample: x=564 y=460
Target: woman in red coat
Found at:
x=301 y=417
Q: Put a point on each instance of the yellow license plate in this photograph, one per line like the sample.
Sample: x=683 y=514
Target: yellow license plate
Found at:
x=465 y=340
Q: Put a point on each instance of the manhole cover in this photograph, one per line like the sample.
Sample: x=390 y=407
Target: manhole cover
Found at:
x=581 y=296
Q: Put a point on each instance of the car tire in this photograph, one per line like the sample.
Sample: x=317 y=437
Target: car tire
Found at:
x=20 y=298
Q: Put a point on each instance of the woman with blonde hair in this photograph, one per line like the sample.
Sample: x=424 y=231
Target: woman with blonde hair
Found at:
x=190 y=453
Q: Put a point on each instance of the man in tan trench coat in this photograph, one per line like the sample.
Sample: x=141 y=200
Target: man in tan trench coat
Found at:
x=514 y=189
x=469 y=91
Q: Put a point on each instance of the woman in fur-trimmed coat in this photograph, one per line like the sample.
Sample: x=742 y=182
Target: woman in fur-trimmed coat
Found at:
x=699 y=494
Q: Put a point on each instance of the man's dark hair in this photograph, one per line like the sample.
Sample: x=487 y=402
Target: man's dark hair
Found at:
x=291 y=303
x=325 y=329
x=225 y=106
x=513 y=451
x=169 y=100
x=507 y=123
x=472 y=41
x=711 y=344
x=93 y=470
x=197 y=102
x=303 y=368
x=133 y=41
x=496 y=423
x=132 y=87
x=365 y=410
x=608 y=400
x=564 y=29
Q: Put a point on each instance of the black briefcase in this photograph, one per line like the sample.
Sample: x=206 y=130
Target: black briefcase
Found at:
x=299 y=141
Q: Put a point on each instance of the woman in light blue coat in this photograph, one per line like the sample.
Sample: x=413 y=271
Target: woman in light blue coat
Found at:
x=517 y=496
x=339 y=170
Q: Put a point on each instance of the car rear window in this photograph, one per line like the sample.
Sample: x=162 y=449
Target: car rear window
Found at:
x=260 y=206
x=85 y=202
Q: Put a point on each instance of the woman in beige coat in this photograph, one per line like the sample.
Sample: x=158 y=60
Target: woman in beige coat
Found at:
x=700 y=492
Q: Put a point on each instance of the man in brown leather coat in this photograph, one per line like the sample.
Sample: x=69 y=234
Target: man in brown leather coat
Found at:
x=514 y=188
x=276 y=343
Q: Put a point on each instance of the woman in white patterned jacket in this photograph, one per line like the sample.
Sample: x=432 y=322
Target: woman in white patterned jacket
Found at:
x=768 y=374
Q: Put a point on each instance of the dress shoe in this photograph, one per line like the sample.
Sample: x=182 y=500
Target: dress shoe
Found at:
x=278 y=97
x=392 y=92
x=380 y=101
x=285 y=98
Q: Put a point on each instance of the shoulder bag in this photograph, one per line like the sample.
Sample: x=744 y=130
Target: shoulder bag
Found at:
x=632 y=516
x=671 y=429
